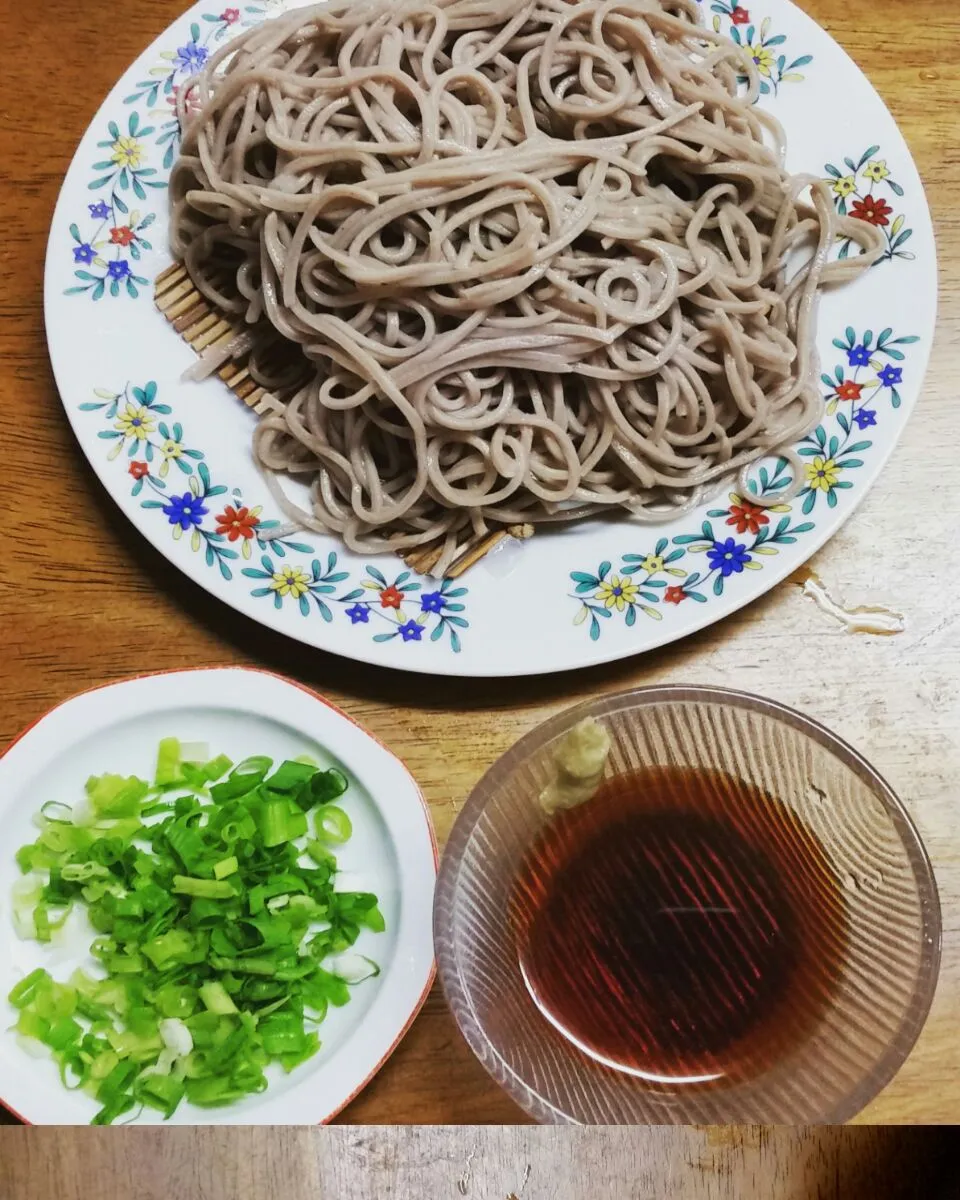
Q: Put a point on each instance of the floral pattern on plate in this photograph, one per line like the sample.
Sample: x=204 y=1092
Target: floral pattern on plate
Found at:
x=173 y=479
x=865 y=189
x=404 y=604
x=750 y=533
x=109 y=241
x=107 y=251
x=173 y=68
x=765 y=48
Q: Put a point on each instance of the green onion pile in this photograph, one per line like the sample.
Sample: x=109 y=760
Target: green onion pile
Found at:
x=221 y=937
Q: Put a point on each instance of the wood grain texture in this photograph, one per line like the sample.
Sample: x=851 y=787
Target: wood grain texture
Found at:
x=85 y=600
x=489 y=1163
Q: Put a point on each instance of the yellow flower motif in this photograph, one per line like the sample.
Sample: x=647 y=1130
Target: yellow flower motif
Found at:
x=876 y=169
x=127 y=152
x=845 y=186
x=822 y=473
x=135 y=421
x=170 y=450
x=617 y=593
x=764 y=59
x=652 y=564
x=290 y=581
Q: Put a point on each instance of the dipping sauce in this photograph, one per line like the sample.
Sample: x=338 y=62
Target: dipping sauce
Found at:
x=681 y=926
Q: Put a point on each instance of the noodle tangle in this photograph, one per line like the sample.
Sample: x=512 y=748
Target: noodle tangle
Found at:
x=505 y=262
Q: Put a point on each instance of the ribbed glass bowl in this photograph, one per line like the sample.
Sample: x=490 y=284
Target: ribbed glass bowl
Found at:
x=886 y=977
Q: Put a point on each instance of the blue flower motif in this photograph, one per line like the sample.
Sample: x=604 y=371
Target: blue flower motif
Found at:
x=99 y=211
x=191 y=57
x=865 y=417
x=84 y=253
x=431 y=602
x=890 y=376
x=728 y=557
x=185 y=510
x=858 y=356
x=359 y=614
x=410 y=631
x=119 y=269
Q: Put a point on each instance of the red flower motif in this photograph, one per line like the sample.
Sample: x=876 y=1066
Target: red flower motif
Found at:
x=122 y=235
x=874 y=212
x=673 y=595
x=739 y=16
x=747 y=517
x=230 y=15
x=849 y=390
x=391 y=597
x=236 y=522
x=193 y=105
x=138 y=469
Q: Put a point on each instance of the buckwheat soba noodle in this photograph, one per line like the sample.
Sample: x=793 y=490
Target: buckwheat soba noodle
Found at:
x=506 y=262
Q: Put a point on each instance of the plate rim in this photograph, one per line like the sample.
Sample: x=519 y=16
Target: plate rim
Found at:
x=425 y=966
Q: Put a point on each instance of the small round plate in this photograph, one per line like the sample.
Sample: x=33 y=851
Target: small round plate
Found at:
x=176 y=457
x=236 y=712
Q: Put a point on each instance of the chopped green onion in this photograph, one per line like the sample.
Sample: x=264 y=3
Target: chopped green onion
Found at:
x=206 y=905
x=176 y=1036
x=242 y=779
x=114 y=796
x=115 y=1107
x=373 y=920
x=217 y=999
x=354 y=968
x=82 y=872
x=328 y=785
x=161 y=1092
x=47 y=925
x=23 y=993
x=216 y=767
x=168 y=770
x=35 y=858
x=53 y=810
x=289 y=777
x=225 y=867
x=209 y=889
x=332 y=824
x=117 y=1081
x=280 y=822
x=176 y=1000
x=170 y=947
x=320 y=854
x=60 y=837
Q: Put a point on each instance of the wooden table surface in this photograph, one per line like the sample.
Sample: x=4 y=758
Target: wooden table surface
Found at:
x=492 y=1163
x=85 y=600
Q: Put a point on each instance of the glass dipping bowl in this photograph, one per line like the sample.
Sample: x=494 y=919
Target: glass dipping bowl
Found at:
x=886 y=977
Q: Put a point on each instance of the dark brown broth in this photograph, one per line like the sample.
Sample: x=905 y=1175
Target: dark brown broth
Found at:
x=681 y=925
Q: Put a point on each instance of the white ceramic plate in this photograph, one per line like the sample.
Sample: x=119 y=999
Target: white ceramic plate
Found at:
x=237 y=712
x=176 y=457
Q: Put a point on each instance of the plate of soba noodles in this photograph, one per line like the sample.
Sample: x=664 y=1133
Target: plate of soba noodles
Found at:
x=487 y=338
